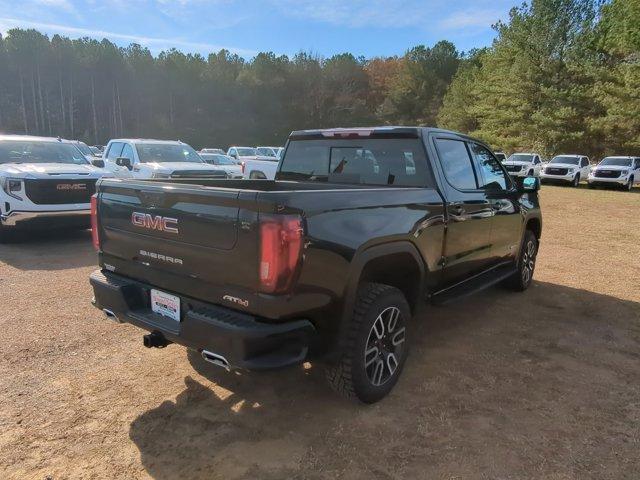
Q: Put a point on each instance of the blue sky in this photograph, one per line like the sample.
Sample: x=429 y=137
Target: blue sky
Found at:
x=362 y=27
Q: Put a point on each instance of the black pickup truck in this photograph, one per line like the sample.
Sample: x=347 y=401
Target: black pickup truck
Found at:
x=329 y=261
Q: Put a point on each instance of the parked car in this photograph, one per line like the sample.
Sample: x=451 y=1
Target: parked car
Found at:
x=566 y=169
x=212 y=150
x=523 y=165
x=622 y=172
x=329 y=261
x=96 y=151
x=84 y=149
x=267 y=151
x=501 y=156
x=44 y=183
x=141 y=158
x=255 y=166
x=224 y=162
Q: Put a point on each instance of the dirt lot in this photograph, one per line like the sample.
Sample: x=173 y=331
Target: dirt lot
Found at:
x=544 y=384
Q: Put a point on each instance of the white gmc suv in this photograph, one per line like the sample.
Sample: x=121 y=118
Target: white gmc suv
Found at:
x=621 y=172
x=144 y=159
x=523 y=165
x=566 y=169
x=44 y=182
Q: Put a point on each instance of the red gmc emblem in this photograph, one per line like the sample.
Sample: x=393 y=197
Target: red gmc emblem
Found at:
x=155 y=222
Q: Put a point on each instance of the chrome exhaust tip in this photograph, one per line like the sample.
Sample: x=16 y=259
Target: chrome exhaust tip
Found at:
x=216 y=359
x=110 y=315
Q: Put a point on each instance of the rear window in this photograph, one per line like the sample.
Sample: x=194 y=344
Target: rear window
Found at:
x=397 y=162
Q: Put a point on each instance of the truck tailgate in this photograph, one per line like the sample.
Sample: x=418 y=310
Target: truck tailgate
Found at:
x=177 y=231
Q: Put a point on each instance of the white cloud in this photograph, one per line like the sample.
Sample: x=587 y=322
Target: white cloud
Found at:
x=154 y=44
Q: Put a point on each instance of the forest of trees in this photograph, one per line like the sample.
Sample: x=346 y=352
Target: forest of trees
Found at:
x=561 y=76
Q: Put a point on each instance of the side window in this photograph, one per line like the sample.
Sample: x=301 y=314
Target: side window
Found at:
x=114 y=151
x=493 y=176
x=456 y=163
x=585 y=162
x=637 y=163
x=536 y=160
x=127 y=152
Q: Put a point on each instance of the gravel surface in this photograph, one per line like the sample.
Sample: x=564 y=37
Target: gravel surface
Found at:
x=544 y=384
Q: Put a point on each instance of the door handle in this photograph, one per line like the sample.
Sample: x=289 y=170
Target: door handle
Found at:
x=457 y=209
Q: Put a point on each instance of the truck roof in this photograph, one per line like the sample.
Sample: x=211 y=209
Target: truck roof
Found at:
x=369 y=131
x=33 y=138
x=147 y=140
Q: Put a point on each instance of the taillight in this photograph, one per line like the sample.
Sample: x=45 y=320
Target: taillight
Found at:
x=281 y=238
x=242 y=165
x=95 y=235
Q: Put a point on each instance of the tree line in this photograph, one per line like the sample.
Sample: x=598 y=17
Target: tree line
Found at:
x=561 y=76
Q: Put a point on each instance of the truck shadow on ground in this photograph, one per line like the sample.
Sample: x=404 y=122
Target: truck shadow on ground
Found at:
x=49 y=250
x=485 y=378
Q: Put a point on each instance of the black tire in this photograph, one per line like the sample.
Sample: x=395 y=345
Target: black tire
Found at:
x=629 y=186
x=576 y=181
x=592 y=186
x=364 y=371
x=257 y=176
x=521 y=280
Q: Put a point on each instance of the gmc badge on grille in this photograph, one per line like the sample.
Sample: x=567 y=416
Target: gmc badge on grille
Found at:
x=155 y=222
x=71 y=186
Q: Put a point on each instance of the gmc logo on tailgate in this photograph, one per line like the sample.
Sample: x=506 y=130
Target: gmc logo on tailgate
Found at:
x=155 y=222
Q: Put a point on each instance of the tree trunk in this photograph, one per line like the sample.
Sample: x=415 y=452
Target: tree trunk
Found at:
x=171 y=108
x=23 y=104
x=119 y=108
x=62 y=109
x=35 y=103
x=71 y=105
x=40 y=97
x=93 y=108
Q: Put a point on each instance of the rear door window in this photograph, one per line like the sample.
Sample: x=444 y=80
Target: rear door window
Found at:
x=456 y=163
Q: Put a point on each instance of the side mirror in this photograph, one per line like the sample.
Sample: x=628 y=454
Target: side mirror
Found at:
x=530 y=184
x=123 y=162
x=97 y=162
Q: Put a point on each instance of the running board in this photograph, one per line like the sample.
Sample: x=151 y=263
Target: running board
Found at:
x=473 y=285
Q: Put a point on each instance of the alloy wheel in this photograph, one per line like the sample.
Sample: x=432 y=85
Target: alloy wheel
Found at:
x=528 y=261
x=385 y=345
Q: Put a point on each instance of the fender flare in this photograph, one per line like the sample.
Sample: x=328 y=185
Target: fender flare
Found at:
x=356 y=267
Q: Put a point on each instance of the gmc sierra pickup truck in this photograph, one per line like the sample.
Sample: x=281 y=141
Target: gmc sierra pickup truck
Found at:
x=329 y=261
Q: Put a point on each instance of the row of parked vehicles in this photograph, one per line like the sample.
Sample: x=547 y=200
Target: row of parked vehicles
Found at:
x=617 y=171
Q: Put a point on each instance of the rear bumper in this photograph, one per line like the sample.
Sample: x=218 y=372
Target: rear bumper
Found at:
x=243 y=340
x=45 y=218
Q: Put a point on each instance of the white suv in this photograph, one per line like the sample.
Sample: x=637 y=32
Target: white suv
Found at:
x=44 y=182
x=523 y=165
x=157 y=159
x=566 y=169
x=254 y=165
x=616 y=171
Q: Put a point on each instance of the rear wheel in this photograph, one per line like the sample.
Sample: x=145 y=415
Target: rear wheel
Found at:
x=376 y=346
x=257 y=176
x=522 y=278
x=629 y=185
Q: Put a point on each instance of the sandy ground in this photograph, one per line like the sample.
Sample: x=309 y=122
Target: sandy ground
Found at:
x=544 y=384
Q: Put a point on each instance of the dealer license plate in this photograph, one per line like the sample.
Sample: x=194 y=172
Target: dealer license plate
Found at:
x=165 y=304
